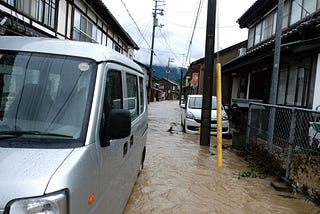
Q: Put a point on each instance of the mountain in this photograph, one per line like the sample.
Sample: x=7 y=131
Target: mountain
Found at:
x=160 y=71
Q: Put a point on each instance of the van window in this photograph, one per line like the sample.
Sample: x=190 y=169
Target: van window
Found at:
x=141 y=87
x=44 y=96
x=113 y=98
x=132 y=93
x=113 y=95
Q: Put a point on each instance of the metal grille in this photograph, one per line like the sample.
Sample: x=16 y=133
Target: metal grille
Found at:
x=292 y=148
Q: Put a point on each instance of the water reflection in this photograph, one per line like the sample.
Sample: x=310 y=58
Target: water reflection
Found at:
x=180 y=176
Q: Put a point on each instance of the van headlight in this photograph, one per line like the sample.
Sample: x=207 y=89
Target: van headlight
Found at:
x=189 y=115
x=54 y=203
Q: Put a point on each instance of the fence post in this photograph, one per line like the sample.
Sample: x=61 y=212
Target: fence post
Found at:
x=271 y=128
x=248 y=126
x=291 y=141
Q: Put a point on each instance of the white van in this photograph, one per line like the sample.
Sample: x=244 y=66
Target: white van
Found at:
x=73 y=126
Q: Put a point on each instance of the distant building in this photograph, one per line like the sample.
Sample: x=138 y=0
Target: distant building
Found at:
x=83 y=20
x=169 y=88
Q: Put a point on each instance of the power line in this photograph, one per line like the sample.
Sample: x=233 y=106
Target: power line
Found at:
x=162 y=51
x=168 y=46
x=144 y=32
x=307 y=12
x=140 y=32
x=135 y=23
x=194 y=27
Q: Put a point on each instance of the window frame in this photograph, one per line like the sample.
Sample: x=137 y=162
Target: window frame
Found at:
x=43 y=11
x=293 y=83
x=83 y=28
x=134 y=77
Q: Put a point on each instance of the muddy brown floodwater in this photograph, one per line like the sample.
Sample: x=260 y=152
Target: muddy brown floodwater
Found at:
x=180 y=176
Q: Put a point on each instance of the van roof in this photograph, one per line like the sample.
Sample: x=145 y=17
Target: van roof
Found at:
x=93 y=51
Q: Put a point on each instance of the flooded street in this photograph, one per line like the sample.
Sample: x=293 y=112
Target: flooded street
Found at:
x=180 y=176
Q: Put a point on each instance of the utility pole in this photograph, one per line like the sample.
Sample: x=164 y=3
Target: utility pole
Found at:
x=275 y=73
x=208 y=75
x=156 y=11
x=180 y=92
x=168 y=67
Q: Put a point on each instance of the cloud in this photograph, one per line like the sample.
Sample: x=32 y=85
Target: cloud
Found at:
x=173 y=39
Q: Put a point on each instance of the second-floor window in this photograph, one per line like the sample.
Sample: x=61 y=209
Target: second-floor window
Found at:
x=41 y=10
x=83 y=29
x=116 y=47
x=294 y=11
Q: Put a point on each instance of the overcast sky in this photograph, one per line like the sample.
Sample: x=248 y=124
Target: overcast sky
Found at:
x=173 y=39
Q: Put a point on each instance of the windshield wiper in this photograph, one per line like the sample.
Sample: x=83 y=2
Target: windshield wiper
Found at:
x=13 y=134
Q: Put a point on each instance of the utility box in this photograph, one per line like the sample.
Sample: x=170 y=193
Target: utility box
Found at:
x=239 y=121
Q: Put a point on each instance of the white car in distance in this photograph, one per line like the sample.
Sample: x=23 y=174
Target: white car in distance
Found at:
x=191 y=116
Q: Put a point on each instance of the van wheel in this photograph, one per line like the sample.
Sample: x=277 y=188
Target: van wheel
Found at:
x=142 y=161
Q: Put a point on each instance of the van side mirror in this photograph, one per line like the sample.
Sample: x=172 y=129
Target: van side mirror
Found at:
x=118 y=125
x=182 y=105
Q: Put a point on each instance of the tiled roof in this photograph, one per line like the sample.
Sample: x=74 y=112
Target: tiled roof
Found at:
x=258 y=9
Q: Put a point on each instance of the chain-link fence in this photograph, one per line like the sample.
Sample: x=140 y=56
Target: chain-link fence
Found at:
x=288 y=141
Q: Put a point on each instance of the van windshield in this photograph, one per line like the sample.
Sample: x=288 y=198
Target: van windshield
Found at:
x=44 y=96
x=196 y=103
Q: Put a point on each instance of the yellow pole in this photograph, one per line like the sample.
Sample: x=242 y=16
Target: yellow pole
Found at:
x=219 y=115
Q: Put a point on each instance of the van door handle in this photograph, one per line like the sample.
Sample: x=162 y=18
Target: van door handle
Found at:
x=125 y=149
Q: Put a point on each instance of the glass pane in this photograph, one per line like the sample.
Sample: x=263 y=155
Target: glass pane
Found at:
x=83 y=37
x=76 y=35
x=195 y=102
x=132 y=92
x=11 y=2
x=89 y=30
x=292 y=82
x=250 y=37
x=77 y=18
x=42 y=93
x=40 y=11
x=274 y=23
x=309 y=7
x=83 y=24
x=52 y=19
x=94 y=33
x=300 y=84
x=19 y=5
x=258 y=35
x=296 y=9
x=34 y=9
x=141 y=94
x=113 y=95
x=286 y=14
x=282 y=86
x=267 y=30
